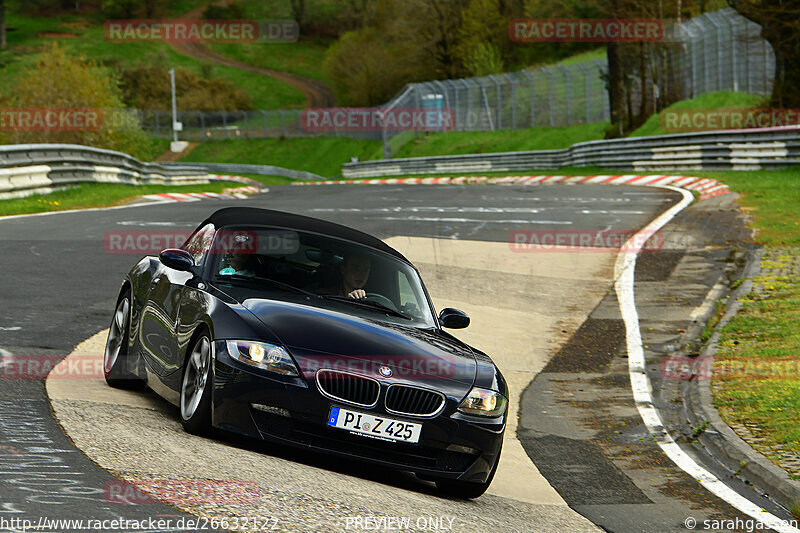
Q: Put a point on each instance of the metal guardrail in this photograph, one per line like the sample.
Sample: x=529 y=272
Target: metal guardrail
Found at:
x=718 y=150
x=30 y=168
x=261 y=170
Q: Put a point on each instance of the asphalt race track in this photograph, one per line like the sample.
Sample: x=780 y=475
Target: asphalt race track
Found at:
x=59 y=285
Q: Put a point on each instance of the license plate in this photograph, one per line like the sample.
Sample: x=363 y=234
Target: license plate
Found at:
x=374 y=426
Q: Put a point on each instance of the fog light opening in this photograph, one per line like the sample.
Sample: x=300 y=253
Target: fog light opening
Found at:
x=271 y=409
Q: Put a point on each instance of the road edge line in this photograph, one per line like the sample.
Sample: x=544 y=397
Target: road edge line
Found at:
x=624 y=274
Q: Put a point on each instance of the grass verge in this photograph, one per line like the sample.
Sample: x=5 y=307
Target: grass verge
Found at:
x=87 y=195
x=483 y=142
x=715 y=100
x=320 y=155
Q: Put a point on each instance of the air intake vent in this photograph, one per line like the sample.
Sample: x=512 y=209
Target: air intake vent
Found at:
x=405 y=400
x=348 y=387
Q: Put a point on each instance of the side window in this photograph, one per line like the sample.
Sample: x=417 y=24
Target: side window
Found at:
x=409 y=303
x=200 y=243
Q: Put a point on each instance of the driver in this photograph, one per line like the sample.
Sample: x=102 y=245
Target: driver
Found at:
x=238 y=263
x=355 y=273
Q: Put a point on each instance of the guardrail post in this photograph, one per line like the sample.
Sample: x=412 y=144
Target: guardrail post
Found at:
x=203 y=131
x=283 y=123
x=246 y=127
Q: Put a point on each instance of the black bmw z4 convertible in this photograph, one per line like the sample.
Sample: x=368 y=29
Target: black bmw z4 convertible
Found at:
x=299 y=331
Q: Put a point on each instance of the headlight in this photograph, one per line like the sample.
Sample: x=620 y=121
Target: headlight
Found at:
x=264 y=356
x=483 y=402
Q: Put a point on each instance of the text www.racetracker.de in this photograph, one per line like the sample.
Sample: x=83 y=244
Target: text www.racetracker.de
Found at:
x=46 y=524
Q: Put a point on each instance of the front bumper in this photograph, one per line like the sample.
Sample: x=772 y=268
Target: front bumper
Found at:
x=292 y=411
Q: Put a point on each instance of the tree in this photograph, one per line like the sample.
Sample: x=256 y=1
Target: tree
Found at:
x=367 y=69
x=60 y=82
x=482 y=29
x=779 y=26
x=3 y=43
x=299 y=11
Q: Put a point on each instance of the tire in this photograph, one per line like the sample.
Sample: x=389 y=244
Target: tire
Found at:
x=196 y=386
x=115 y=358
x=466 y=490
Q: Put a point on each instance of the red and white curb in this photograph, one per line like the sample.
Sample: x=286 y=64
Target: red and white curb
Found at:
x=707 y=187
x=241 y=192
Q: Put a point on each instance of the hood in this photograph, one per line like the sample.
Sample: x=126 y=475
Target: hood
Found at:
x=333 y=338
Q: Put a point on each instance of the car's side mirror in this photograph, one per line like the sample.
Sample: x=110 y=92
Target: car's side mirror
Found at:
x=453 y=318
x=177 y=259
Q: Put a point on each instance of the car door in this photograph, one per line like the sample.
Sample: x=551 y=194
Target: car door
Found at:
x=161 y=314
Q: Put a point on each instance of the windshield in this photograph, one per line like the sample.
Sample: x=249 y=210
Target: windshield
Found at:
x=336 y=273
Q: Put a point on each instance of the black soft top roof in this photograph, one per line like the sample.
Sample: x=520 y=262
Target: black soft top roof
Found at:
x=236 y=216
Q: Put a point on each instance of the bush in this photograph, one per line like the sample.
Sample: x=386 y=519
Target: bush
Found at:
x=229 y=12
x=58 y=82
x=147 y=86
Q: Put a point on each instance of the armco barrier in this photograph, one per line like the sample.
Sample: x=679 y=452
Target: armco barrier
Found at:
x=718 y=150
x=261 y=170
x=31 y=168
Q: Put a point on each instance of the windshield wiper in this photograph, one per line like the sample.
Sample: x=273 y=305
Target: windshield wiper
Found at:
x=275 y=283
x=368 y=304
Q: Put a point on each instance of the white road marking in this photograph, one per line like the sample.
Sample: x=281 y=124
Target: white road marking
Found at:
x=9 y=328
x=147 y=223
x=5 y=359
x=613 y=212
x=640 y=383
x=496 y=221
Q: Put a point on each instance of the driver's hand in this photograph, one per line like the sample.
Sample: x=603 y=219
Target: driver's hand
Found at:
x=358 y=294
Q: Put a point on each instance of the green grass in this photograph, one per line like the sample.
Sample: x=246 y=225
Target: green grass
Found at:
x=88 y=195
x=24 y=47
x=762 y=342
x=479 y=142
x=304 y=58
x=320 y=155
x=773 y=196
x=715 y=100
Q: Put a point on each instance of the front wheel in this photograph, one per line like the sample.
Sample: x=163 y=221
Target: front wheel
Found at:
x=466 y=490
x=196 y=388
x=115 y=358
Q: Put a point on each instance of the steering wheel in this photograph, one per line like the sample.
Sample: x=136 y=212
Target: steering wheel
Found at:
x=381 y=299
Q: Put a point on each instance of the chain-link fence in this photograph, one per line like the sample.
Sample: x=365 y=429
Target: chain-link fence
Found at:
x=256 y=124
x=717 y=51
